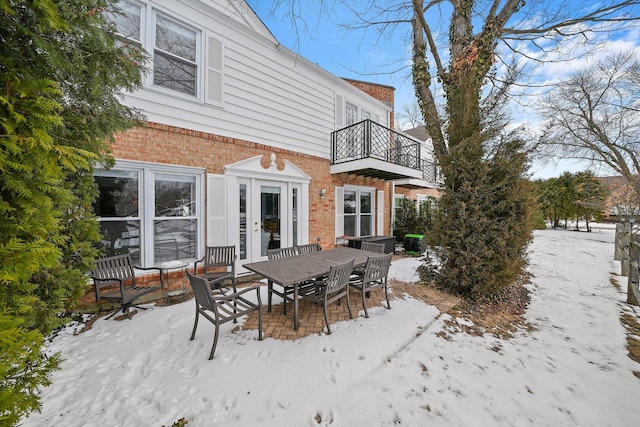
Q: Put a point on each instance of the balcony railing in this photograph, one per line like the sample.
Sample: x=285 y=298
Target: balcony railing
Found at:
x=368 y=139
x=431 y=173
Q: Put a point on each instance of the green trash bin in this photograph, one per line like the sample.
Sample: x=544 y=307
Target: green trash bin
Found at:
x=414 y=244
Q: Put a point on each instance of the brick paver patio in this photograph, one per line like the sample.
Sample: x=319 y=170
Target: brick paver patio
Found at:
x=277 y=325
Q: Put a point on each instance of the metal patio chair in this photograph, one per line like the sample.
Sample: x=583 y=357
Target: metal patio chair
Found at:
x=287 y=291
x=333 y=288
x=119 y=271
x=375 y=274
x=308 y=249
x=218 y=267
x=220 y=309
x=372 y=247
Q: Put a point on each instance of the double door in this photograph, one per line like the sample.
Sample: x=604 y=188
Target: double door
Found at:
x=269 y=217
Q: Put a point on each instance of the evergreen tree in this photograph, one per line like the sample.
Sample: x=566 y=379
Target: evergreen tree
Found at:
x=62 y=73
x=410 y=220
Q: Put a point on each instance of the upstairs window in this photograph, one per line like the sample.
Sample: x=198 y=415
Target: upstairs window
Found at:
x=175 y=57
x=180 y=60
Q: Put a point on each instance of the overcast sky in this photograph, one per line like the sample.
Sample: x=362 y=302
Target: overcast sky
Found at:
x=320 y=36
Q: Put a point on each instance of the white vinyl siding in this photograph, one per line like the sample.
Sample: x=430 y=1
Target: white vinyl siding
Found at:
x=268 y=94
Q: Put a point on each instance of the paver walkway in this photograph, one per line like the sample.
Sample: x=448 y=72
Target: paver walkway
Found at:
x=280 y=326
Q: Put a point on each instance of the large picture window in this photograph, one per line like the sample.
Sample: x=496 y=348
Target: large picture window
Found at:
x=152 y=212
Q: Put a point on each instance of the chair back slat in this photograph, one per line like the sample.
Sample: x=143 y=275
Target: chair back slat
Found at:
x=308 y=249
x=281 y=253
x=339 y=276
x=377 y=268
x=372 y=247
x=219 y=256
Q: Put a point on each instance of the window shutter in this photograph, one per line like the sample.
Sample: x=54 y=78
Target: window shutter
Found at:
x=339 y=212
x=380 y=213
x=339 y=112
x=214 y=70
x=216 y=211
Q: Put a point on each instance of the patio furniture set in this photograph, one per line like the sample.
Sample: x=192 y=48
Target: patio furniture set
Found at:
x=306 y=271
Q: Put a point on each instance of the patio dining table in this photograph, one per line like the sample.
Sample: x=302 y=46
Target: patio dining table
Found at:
x=294 y=270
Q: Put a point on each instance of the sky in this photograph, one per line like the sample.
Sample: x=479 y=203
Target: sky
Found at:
x=363 y=54
x=402 y=366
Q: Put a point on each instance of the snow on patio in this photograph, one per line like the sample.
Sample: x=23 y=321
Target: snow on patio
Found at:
x=389 y=369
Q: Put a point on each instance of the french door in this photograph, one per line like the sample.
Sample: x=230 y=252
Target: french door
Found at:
x=269 y=213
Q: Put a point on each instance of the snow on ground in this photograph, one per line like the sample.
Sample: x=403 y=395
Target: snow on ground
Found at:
x=392 y=368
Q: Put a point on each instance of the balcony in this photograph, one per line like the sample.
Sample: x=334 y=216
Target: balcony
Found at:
x=369 y=149
x=431 y=177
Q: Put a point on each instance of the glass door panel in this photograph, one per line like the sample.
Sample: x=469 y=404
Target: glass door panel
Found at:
x=270 y=218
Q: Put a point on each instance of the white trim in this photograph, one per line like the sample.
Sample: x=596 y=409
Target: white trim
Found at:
x=339 y=203
x=253 y=167
x=380 y=214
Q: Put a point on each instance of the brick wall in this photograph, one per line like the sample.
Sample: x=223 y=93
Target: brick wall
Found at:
x=380 y=92
x=171 y=145
x=158 y=143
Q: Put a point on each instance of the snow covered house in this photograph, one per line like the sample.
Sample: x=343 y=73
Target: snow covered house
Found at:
x=245 y=142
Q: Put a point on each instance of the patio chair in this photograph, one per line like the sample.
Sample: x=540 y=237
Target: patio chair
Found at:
x=119 y=270
x=218 y=267
x=372 y=247
x=376 y=271
x=220 y=309
x=333 y=288
x=281 y=252
x=310 y=248
x=287 y=291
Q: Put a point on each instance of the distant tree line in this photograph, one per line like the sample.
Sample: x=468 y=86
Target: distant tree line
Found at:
x=571 y=198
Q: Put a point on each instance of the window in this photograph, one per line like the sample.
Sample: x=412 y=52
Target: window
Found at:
x=117 y=207
x=358 y=212
x=366 y=115
x=152 y=212
x=176 y=50
x=128 y=21
x=174 y=56
x=351 y=114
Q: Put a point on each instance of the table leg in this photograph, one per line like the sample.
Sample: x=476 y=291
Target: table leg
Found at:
x=295 y=306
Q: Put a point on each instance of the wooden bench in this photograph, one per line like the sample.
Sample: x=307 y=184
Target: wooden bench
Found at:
x=119 y=271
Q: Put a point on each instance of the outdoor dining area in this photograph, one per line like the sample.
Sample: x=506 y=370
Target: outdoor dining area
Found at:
x=308 y=289
x=300 y=272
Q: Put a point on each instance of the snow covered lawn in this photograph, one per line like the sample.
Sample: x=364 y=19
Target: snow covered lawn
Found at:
x=572 y=370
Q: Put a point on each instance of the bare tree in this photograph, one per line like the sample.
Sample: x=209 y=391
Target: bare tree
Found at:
x=462 y=70
x=409 y=116
x=594 y=115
